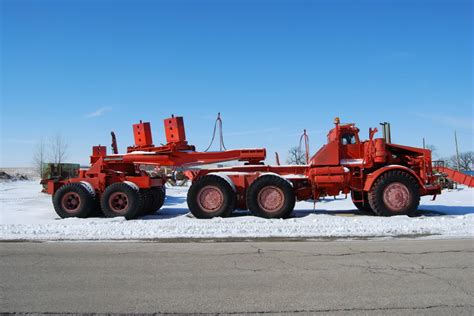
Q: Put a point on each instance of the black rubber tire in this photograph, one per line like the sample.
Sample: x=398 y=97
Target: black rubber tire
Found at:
x=134 y=197
x=229 y=198
x=362 y=206
x=154 y=199
x=376 y=193
x=147 y=197
x=87 y=201
x=270 y=180
x=158 y=195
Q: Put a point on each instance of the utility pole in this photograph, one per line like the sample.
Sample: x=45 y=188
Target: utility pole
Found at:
x=457 y=150
x=424 y=145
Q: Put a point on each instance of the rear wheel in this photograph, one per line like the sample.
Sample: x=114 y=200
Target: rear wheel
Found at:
x=154 y=199
x=159 y=195
x=73 y=200
x=395 y=193
x=147 y=202
x=271 y=197
x=122 y=199
x=211 y=196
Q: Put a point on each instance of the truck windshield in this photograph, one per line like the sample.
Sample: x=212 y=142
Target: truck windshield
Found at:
x=348 y=139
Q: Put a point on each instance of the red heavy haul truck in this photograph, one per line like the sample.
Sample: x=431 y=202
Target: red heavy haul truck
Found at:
x=382 y=178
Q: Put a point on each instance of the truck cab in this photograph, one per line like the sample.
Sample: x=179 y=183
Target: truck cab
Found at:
x=343 y=146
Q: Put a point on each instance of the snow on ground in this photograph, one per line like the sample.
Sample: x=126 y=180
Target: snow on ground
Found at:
x=28 y=214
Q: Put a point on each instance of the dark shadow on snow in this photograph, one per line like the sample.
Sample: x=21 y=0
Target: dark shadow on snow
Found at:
x=424 y=210
x=443 y=210
x=165 y=212
x=173 y=200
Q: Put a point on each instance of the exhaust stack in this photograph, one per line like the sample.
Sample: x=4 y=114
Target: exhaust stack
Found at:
x=387 y=134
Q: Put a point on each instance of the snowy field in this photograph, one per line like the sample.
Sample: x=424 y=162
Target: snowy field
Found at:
x=28 y=214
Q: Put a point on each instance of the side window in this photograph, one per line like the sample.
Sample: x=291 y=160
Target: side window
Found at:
x=348 y=139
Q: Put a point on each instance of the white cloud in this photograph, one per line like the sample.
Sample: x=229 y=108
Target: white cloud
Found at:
x=98 y=112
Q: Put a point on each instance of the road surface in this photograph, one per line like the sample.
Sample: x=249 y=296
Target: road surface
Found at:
x=332 y=277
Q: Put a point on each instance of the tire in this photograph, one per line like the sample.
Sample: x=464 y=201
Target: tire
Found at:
x=96 y=210
x=211 y=196
x=121 y=199
x=271 y=197
x=147 y=197
x=362 y=206
x=159 y=195
x=395 y=193
x=154 y=199
x=73 y=200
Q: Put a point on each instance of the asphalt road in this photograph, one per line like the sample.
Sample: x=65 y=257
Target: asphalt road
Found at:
x=332 y=277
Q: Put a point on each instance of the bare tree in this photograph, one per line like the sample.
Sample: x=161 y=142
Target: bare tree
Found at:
x=58 y=149
x=466 y=161
x=453 y=162
x=39 y=157
x=295 y=156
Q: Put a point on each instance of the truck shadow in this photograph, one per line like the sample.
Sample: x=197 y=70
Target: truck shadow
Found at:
x=443 y=210
x=173 y=200
x=424 y=210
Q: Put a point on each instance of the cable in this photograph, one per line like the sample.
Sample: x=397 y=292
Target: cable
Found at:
x=217 y=124
x=305 y=138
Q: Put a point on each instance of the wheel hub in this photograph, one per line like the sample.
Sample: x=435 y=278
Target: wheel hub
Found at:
x=118 y=202
x=71 y=202
x=210 y=198
x=396 y=196
x=271 y=198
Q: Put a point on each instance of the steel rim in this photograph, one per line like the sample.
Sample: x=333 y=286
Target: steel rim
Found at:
x=71 y=202
x=118 y=202
x=271 y=199
x=396 y=196
x=210 y=198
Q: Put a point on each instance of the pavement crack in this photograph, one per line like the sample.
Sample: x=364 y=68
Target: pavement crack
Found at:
x=356 y=253
x=259 y=250
x=236 y=267
x=290 y=312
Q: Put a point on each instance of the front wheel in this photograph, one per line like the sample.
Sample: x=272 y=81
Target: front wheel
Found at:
x=395 y=193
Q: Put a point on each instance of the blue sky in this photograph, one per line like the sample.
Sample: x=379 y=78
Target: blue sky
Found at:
x=272 y=68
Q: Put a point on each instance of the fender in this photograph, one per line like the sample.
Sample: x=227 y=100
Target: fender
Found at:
x=133 y=185
x=276 y=175
x=89 y=187
x=225 y=177
x=372 y=177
